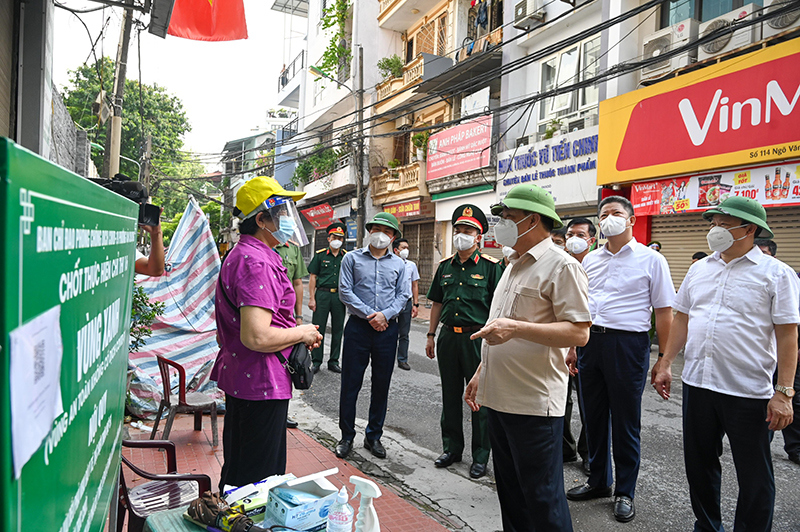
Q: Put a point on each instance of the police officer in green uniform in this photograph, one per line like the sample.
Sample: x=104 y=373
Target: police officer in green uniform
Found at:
x=323 y=285
x=461 y=292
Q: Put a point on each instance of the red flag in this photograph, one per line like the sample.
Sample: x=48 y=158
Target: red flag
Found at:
x=208 y=20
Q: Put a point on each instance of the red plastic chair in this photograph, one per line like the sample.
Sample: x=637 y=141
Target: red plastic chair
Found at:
x=182 y=403
x=164 y=492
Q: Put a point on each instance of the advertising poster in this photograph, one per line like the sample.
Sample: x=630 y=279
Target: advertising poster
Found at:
x=776 y=185
x=462 y=148
x=319 y=216
x=565 y=166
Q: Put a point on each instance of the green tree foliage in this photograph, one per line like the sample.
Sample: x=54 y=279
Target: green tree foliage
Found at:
x=143 y=314
x=335 y=55
x=163 y=116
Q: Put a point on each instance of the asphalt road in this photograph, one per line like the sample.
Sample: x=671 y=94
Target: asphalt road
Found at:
x=413 y=441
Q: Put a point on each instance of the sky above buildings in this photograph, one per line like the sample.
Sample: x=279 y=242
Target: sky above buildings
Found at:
x=226 y=87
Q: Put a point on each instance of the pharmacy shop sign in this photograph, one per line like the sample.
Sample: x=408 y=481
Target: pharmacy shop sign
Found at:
x=565 y=166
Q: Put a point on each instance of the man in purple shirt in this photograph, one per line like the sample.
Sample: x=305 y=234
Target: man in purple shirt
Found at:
x=255 y=319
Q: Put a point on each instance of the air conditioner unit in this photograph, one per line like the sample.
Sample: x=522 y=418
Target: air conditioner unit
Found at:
x=404 y=122
x=781 y=23
x=729 y=40
x=592 y=119
x=663 y=41
x=528 y=14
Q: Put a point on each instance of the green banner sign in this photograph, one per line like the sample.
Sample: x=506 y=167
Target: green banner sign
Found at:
x=66 y=277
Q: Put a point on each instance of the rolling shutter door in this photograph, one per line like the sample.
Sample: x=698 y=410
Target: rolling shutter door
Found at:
x=6 y=66
x=683 y=235
x=420 y=243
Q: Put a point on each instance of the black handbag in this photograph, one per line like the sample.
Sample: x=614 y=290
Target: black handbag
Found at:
x=299 y=366
x=299 y=363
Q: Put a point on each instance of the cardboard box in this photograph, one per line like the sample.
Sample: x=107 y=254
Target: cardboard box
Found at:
x=304 y=516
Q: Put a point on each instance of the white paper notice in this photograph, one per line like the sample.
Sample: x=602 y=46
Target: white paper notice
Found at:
x=35 y=374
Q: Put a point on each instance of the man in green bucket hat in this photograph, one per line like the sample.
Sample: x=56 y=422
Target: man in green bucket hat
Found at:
x=539 y=309
x=737 y=315
x=374 y=287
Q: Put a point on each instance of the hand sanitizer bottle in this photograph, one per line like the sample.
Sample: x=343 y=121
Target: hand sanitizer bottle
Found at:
x=340 y=514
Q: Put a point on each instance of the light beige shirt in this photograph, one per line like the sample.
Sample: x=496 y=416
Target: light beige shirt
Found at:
x=544 y=285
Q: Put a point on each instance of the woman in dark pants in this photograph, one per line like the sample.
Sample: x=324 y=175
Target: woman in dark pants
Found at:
x=255 y=319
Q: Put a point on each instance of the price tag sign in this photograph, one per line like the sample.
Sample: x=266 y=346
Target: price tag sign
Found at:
x=681 y=205
x=741 y=178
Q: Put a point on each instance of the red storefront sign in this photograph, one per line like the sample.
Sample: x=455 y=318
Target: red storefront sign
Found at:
x=403 y=210
x=734 y=113
x=320 y=216
x=460 y=148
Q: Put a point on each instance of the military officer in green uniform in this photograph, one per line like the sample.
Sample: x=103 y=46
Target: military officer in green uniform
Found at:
x=323 y=285
x=461 y=292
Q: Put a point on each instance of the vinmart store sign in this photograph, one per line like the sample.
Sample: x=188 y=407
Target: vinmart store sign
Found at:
x=775 y=185
x=565 y=166
x=739 y=112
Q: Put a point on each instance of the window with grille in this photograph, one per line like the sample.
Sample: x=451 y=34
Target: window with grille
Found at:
x=431 y=38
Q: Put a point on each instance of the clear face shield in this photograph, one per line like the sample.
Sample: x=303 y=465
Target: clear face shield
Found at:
x=286 y=218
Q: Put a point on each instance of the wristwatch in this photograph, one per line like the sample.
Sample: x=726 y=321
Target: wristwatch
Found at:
x=788 y=392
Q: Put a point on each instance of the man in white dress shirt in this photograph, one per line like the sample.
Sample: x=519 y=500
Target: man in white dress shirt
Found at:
x=737 y=315
x=626 y=280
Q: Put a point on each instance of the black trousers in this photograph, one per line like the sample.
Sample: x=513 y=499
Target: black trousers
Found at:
x=364 y=345
x=707 y=416
x=529 y=472
x=612 y=371
x=253 y=440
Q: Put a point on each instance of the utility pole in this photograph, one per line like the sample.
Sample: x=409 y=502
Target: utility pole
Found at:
x=361 y=164
x=114 y=140
x=148 y=150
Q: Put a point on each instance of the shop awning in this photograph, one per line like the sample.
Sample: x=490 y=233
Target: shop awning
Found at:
x=471 y=68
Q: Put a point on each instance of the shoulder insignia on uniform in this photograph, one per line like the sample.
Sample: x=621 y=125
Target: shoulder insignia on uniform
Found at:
x=344 y=251
x=323 y=250
x=448 y=258
x=489 y=258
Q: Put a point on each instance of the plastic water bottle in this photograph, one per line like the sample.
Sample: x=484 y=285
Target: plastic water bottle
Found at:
x=340 y=514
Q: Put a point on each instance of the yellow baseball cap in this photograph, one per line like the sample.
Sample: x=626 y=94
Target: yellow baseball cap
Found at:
x=258 y=190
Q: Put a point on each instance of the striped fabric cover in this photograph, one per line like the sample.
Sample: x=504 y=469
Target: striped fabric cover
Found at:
x=186 y=332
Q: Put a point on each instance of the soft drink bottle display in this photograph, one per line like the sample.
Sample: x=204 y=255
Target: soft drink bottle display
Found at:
x=785 y=187
x=767 y=189
x=776 y=185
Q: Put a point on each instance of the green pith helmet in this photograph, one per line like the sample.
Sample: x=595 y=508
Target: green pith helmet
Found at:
x=746 y=209
x=530 y=198
x=384 y=218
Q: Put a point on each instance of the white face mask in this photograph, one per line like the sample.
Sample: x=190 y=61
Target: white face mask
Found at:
x=508 y=251
x=403 y=254
x=576 y=245
x=720 y=239
x=379 y=240
x=613 y=225
x=336 y=244
x=505 y=231
x=463 y=241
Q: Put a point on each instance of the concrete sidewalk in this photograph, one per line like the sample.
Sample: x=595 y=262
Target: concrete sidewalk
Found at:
x=304 y=456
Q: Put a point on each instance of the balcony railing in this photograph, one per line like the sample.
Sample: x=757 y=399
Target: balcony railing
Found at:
x=290 y=129
x=292 y=70
x=397 y=180
x=424 y=66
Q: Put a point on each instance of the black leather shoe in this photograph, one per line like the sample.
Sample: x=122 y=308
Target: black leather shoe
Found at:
x=343 y=448
x=447 y=459
x=570 y=458
x=291 y=423
x=586 y=492
x=375 y=448
x=403 y=365
x=315 y=368
x=586 y=469
x=795 y=457
x=477 y=470
x=335 y=368
x=624 y=510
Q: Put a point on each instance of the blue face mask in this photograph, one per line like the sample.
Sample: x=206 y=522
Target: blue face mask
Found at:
x=286 y=229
